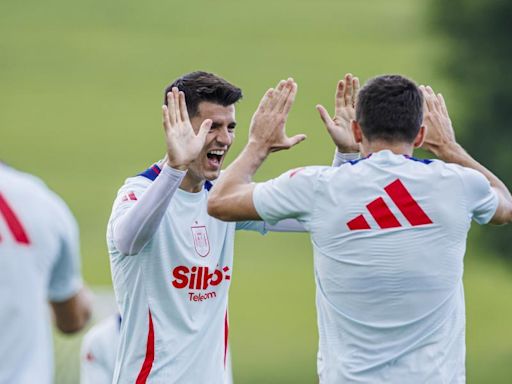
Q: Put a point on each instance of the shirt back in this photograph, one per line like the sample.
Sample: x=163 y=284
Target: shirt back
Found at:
x=389 y=236
x=39 y=261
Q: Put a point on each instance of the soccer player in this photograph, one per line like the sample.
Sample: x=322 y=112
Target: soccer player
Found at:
x=98 y=351
x=39 y=262
x=388 y=231
x=171 y=262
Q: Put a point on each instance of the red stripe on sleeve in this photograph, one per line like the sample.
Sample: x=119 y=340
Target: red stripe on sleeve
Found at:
x=406 y=204
x=357 y=223
x=382 y=214
x=13 y=222
x=150 y=354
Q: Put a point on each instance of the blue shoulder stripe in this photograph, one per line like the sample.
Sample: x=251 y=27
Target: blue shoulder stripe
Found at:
x=151 y=173
x=424 y=161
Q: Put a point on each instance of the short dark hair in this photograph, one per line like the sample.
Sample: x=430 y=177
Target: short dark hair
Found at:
x=390 y=108
x=204 y=86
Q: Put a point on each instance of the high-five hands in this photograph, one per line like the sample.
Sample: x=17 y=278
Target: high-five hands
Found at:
x=183 y=143
x=339 y=127
x=440 y=132
x=267 y=129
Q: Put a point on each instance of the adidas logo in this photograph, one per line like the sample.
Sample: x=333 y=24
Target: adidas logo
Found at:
x=383 y=215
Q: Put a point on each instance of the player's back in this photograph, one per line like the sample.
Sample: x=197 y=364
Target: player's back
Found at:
x=389 y=235
x=31 y=217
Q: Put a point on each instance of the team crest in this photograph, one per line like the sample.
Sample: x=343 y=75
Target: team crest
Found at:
x=201 y=242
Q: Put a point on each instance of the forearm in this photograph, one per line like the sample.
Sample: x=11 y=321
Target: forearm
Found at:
x=137 y=226
x=231 y=197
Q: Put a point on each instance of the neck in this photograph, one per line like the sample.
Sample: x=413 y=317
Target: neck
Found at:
x=368 y=147
x=190 y=184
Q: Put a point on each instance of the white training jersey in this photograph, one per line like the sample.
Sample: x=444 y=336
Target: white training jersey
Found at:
x=39 y=261
x=98 y=351
x=173 y=294
x=389 y=236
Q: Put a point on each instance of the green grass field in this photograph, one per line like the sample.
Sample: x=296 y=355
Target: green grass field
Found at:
x=80 y=106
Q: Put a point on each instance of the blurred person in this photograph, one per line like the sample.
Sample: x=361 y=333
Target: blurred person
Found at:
x=171 y=262
x=98 y=351
x=388 y=231
x=39 y=262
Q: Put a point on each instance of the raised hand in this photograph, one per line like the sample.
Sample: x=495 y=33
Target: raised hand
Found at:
x=440 y=132
x=183 y=143
x=339 y=127
x=268 y=122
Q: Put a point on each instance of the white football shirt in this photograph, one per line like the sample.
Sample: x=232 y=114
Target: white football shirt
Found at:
x=98 y=352
x=389 y=237
x=173 y=294
x=39 y=261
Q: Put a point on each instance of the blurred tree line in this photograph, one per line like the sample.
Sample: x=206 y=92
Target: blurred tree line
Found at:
x=479 y=63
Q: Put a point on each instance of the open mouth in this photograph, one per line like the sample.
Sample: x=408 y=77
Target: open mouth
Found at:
x=215 y=158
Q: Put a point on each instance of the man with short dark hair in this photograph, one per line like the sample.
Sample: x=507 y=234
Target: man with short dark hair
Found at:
x=388 y=232
x=171 y=262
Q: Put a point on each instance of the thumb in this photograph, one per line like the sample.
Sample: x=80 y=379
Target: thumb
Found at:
x=294 y=140
x=324 y=115
x=204 y=129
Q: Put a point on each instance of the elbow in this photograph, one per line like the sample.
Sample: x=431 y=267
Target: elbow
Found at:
x=72 y=315
x=73 y=326
x=217 y=209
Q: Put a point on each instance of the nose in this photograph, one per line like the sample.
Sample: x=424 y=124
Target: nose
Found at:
x=224 y=136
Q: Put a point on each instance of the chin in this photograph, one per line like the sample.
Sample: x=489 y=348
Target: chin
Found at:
x=212 y=175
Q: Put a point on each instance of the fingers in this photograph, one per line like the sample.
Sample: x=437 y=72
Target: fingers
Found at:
x=291 y=98
x=339 y=99
x=347 y=95
x=204 y=129
x=283 y=93
x=176 y=95
x=171 y=108
x=183 y=107
x=265 y=100
x=324 y=115
x=165 y=117
x=355 y=90
x=440 y=98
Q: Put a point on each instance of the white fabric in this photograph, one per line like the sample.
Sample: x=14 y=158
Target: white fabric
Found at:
x=135 y=228
x=341 y=158
x=31 y=274
x=188 y=305
x=98 y=352
x=390 y=301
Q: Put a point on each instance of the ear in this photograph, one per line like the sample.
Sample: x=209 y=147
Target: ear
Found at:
x=420 y=137
x=357 y=131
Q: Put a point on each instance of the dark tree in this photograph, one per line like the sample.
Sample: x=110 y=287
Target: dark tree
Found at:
x=479 y=62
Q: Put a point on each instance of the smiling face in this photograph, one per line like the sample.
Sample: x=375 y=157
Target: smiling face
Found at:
x=208 y=164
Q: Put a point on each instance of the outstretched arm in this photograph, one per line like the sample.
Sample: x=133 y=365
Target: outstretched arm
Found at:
x=441 y=141
x=134 y=227
x=231 y=197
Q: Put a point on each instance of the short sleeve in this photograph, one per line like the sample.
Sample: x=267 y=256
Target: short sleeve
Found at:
x=482 y=200
x=65 y=279
x=257 y=226
x=291 y=195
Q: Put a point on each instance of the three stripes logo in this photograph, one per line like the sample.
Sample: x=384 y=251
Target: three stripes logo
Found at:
x=383 y=216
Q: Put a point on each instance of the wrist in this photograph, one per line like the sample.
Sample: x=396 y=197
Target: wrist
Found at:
x=450 y=152
x=178 y=166
x=257 y=149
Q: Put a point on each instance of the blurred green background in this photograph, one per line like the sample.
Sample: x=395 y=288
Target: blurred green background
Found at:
x=81 y=89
